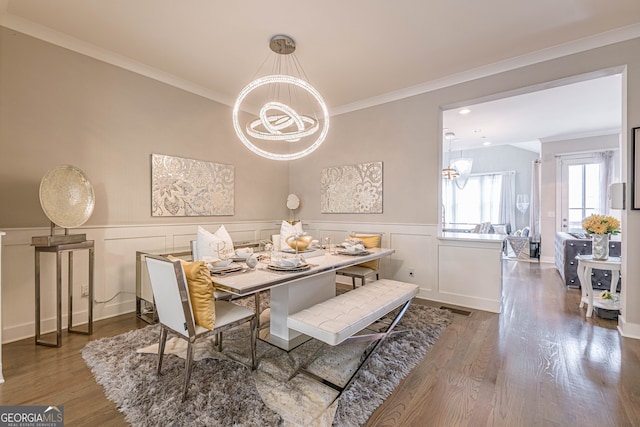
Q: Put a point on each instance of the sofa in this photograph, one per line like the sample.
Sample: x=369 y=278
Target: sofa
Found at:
x=567 y=246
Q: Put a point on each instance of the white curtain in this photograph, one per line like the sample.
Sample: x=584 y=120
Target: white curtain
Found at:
x=534 y=207
x=507 y=208
x=605 y=159
x=479 y=201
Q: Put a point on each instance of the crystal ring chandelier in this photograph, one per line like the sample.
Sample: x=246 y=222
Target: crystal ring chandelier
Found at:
x=292 y=119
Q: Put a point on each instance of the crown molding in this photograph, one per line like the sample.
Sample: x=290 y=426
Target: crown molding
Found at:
x=57 y=38
x=576 y=46
x=30 y=28
x=582 y=135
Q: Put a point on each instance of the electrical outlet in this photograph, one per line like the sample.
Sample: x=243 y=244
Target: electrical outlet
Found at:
x=85 y=290
x=412 y=272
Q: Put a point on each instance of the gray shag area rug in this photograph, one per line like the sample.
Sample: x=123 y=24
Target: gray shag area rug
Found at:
x=224 y=392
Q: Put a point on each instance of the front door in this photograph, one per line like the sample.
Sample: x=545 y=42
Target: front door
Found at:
x=579 y=196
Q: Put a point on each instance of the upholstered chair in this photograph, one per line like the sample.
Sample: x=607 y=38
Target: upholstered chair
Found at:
x=365 y=269
x=175 y=313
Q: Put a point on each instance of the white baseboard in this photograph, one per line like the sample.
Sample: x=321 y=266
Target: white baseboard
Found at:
x=628 y=330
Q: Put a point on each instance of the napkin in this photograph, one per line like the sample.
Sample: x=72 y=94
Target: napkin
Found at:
x=244 y=252
x=288 y=262
x=216 y=263
x=355 y=248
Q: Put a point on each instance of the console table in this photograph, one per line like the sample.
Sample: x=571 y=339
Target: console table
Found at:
x=585 y=264
x=59 y=249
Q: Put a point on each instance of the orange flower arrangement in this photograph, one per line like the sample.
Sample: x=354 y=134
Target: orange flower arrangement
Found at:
x=601 y=224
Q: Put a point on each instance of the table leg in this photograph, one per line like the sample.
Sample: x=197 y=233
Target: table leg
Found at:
x=615 y=277
x=583 y=289
x=70 y=327
x=91 y=290
x=292 y=297
x=37 y=265
x=589 y=286
x=584 y=275
x=70 y=293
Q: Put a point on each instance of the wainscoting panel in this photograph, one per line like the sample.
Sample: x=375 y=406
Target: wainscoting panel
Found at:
x=470 y=274
x=118 y=289
x=414 y=260
x=114 y=275
x=417 y=248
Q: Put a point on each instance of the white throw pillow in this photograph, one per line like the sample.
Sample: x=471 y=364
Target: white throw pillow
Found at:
x=287 y=230
x=209 y=243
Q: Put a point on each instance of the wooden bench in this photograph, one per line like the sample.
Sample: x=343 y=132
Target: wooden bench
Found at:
x=338 y=319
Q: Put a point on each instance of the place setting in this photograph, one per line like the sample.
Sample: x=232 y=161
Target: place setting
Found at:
x=288 y=264
x=352 y=247
x=233 y=264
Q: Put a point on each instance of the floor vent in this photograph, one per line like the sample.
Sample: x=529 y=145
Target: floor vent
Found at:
x=456 y=311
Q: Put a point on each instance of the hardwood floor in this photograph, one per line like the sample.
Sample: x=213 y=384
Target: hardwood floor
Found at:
x=539 y=363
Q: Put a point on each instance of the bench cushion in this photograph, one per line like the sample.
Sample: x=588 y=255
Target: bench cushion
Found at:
x=336 y=319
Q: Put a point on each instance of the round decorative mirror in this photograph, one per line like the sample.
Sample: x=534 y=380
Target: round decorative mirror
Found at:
x=293 y=201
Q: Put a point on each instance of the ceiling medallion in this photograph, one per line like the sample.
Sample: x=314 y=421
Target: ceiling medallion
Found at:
x=291 y=119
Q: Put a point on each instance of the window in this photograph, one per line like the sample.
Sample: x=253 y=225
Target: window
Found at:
x=584 y=193
x=478 y=202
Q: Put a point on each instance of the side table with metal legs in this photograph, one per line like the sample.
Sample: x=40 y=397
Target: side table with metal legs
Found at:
x=59 y=250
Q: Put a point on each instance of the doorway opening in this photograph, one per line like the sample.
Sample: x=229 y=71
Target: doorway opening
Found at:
x=506 y=132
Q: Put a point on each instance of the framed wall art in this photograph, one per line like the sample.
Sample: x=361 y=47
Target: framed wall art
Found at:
x=352 y=188
x=187 y=187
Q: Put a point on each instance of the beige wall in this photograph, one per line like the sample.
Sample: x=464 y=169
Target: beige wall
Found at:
x=405 y=135
x=57 y=106
x=60 y=107
x=401 y=135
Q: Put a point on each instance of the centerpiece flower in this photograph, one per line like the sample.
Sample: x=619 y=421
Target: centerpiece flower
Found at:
x=600 y=227
x=601 y=224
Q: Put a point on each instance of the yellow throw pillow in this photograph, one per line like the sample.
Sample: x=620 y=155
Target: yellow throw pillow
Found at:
x=200 y=286
x=369 y=241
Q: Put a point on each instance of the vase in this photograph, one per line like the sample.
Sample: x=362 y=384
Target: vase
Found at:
x=299 y=243
x=600 y=247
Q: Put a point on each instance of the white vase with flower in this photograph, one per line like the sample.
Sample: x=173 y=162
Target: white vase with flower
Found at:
x=600 y=227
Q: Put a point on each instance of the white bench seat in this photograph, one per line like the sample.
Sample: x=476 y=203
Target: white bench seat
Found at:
x=342 y=316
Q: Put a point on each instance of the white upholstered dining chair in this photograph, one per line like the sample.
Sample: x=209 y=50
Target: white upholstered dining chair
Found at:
x=223 y=295
x=365 y=269
x=174 y=308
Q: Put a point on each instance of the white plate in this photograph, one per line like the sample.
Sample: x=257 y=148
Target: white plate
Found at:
x=359 y=253
x=228 y=269
x=300 y=267
x=293 y=251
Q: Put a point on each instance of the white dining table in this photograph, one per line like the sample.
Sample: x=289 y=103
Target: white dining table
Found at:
x=293 y=291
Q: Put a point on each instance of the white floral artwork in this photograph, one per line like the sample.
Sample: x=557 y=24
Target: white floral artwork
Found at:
x=352 y=189
x=187 y=187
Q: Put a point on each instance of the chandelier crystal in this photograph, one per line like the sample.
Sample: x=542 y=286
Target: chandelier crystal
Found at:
x=450 y=172
x=291 y=119
x=463 y=166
